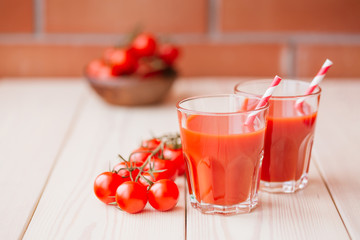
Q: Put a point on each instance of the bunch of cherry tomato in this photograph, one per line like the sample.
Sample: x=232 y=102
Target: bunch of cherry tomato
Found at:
x=143 y=56
x=146 y=176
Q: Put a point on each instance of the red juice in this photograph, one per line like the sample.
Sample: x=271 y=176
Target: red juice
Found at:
x=223 y=158
x=288 y=141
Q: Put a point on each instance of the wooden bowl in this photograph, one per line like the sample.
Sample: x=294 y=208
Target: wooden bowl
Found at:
x=133 y=90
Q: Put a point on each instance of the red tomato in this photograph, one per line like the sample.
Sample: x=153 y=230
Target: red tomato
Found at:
x=98 y=69
x=122 y=62
x=143 y=68
x=131 y=197
x=107 y=54
x=140 y=154
x=176 y=155
x=147 y=70
x=144 y=45
x=105 y=73
x=168 y=53
x=163 y=195
x=151 y=143
x=163 y=164
x=105 y=186
x=153 y=74
x=124 y=173
x=144 y=182
x=93 y=67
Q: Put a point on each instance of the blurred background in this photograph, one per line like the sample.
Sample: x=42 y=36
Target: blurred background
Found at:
x=53 y=38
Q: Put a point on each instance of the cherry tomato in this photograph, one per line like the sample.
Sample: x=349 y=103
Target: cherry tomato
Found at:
x=144 y=45
x=122 y=62
x=144 y=182
x=131 y=197
x=98 y=69
x=169 y=167
x=163 y=195
x=176 y=155
x=151 y=143
x=147 y=70
x=153 y=74
x=168 y=53
x=105 y=73
x=124 y=173
x=143 y=68
x=140 y=154
x=105 y=186
x=107 y=54
x=93 y=67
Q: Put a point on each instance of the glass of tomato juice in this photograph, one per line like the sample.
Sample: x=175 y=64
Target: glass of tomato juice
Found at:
x=222 y=154
x=289 y=134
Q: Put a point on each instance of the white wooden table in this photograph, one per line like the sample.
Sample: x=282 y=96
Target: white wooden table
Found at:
x=56 y=135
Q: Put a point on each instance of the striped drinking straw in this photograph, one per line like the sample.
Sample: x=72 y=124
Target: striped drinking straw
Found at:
x=315 y=82
x=265 y=98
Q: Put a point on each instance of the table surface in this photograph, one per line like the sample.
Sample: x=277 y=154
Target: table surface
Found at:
x=56 y=135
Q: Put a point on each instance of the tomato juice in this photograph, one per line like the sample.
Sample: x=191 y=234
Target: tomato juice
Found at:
x=288 y=141
x=223 y=158
x=289 y=133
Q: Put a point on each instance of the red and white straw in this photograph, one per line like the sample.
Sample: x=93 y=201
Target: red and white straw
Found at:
x=265 y=98
x=315 y=82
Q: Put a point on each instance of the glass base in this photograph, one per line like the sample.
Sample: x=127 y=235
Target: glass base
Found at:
x=284 y=187
x=244 y=207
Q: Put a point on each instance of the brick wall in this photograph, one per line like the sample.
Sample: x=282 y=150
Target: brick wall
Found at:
x=218 y=37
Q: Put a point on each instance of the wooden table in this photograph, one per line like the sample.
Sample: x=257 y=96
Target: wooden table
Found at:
x=56 y=135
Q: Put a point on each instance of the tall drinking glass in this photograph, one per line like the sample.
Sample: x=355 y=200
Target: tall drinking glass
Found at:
x=289 y=135
x=222 y=154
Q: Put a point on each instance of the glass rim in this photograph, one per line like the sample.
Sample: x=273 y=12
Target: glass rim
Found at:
x=197 y=112
x=283 y=97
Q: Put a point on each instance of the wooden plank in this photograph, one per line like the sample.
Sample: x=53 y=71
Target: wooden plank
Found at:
x=337 y=148
x=306 y=214
x=69 y=209
x=34 y=119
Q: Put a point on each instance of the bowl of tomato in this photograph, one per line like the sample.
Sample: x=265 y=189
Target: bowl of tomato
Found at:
x=132 y=90
x=140 y=73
